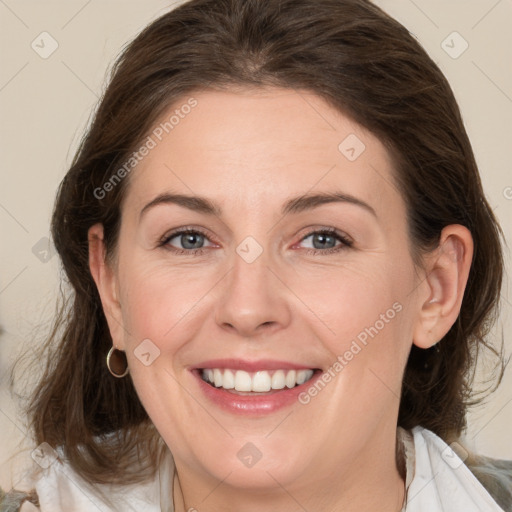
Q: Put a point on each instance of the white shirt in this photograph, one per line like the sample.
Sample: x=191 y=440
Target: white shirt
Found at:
x=437 y=480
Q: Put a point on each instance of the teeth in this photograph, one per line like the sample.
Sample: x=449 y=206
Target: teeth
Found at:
x=291 y=378
x=301 y=377
x=243 y=381
x=260 y=381
x=217 y=377
x=278 y=380
x=228 y=381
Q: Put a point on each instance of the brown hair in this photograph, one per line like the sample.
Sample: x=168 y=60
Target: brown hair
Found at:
x=363 y=63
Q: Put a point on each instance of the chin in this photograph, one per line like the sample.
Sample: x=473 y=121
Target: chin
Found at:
x=255 y=469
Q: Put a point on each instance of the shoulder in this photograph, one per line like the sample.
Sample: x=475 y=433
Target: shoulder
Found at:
x=496 y=476
x=19 y=501
x=457 y=474
x=56 y=487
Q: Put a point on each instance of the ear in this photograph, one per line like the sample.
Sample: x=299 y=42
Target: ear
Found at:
x=447 y=270
x=106 y=282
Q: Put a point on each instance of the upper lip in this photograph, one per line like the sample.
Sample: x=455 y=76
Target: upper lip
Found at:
x=252 y=366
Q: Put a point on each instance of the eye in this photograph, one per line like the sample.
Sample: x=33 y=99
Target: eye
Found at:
x=324 y=241
x=191 y=241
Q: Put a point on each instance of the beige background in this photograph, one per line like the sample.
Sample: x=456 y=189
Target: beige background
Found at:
x=45 y=104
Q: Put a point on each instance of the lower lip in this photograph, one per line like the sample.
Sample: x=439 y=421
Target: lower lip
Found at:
x=257 y=404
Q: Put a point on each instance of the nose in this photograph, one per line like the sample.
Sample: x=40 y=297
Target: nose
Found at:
x=253 y=299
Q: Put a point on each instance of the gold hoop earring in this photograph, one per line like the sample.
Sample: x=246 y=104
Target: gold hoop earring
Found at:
x=117 y=363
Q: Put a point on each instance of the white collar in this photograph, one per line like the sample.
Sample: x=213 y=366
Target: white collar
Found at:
x=436 y=481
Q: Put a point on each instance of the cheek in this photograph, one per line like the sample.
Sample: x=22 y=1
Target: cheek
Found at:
x=363 y=314
x=348 y=299
x=156 y=298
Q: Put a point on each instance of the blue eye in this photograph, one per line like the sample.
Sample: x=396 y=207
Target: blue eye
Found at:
x=192 y=241
x=322 y=241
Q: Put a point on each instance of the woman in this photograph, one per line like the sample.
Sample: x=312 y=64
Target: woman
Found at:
x=283 y=266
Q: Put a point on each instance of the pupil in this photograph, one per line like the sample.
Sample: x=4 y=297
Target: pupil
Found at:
x=190 y=238
x=322 y=237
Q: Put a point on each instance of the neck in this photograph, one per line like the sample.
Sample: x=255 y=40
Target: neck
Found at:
x=376 y=481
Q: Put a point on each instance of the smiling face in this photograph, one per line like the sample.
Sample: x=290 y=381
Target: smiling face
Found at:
x=259 y=280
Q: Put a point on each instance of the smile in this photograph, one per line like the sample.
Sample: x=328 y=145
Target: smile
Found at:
x=261 y=381
x=254 y=393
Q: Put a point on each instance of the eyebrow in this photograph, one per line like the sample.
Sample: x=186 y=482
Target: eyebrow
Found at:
x=292 y=206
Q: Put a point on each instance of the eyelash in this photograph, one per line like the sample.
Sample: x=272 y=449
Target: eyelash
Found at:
x=345 y=242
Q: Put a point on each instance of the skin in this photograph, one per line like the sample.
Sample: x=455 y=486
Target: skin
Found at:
x=250 y=151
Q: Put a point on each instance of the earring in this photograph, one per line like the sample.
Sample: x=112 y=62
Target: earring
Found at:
x=117 y=363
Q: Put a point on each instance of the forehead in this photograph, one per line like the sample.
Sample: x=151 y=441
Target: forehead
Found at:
x=254 y=147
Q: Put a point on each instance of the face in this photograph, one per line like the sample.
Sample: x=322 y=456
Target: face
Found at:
x=265 y=279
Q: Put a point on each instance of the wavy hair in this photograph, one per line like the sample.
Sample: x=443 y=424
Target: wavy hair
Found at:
x=361 y=62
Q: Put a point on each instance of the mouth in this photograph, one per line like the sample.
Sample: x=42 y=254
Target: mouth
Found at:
x=257 y=383
x=254 y=387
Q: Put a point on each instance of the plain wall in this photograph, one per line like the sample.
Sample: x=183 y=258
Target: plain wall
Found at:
x=45 y=104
